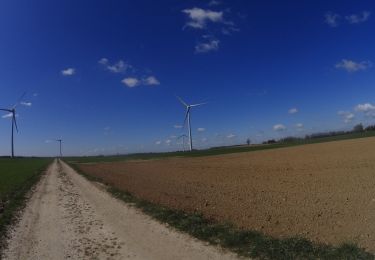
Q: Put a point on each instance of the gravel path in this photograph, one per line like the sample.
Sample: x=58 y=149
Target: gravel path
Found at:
x=68 y=217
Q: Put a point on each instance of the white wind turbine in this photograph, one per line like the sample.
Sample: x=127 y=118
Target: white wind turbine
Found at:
x=187 y=118
x=13 y=115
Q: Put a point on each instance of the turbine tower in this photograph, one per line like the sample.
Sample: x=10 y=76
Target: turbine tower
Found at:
x=183 y=141
x=60 y=141
x=187 y=118
x=12 y=112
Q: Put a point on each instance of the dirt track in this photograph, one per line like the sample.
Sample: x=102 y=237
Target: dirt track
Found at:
x=324 y=192
x=68 y=217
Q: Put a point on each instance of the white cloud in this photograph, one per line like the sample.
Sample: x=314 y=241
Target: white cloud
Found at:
x=299 y=127
x=214 y=2
x=130 y=82
x=117 y=67
x=293 y=111
x=364 y=107
x=203 y=47
x=198 y=17
x=151 y=80
x=358 y=18
x=331 y=19
x=168 y=142
x=7 y=115
x=367 y=108
x=346 y=116
x=27 y=104
x=352 y=66
x=103 y=61
x=158 y=142
x=230 y=136
x=35 y=94
x=279 y=127
x=68 y=72
x=204 y=139
x=201 y=129
x=177 y=126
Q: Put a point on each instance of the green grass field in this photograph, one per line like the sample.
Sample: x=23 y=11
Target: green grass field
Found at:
x=17 y=176
x=219 y=150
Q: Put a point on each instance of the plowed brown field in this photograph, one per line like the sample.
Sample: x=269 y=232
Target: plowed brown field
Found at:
x=323 y=192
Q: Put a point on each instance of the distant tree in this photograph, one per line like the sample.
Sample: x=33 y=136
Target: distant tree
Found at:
x=370 y=128
x=358 y=128
x=248 y=141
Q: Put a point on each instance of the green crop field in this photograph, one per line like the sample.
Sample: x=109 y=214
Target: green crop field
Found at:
x=16 y=178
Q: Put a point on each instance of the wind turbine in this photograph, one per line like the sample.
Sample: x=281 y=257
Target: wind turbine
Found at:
x=60 y=141
x=183 y=140
x=12 y=111
x=187 y=118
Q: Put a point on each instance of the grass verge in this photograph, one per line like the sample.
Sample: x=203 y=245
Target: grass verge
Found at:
x=17 y=177
x=245 y=243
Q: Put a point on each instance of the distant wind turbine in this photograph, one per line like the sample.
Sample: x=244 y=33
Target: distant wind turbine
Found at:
x=12 y=112
x=183 y=141
x=187 y=118
x=60 y=141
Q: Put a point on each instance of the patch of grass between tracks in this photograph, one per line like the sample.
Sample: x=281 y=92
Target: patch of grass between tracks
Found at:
x=17 y=177
x=245 y=243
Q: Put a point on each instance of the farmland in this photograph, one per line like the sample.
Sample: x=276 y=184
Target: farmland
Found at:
x=323 y=192
x=16 y=178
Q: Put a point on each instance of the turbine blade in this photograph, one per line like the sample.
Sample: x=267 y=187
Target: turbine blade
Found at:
x=182 y=102
x=19 y=100
x=4 y=109
x=186 y=116
x=199 y=104
x=15 y=121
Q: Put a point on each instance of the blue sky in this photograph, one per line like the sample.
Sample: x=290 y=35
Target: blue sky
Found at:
x=103 y=75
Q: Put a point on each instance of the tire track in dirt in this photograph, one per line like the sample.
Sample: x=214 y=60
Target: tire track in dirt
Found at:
x=68 y=217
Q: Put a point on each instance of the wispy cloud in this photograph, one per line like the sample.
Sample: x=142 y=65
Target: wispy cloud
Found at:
x=366 y=108
x=210 y=45
x=134 y=82
x=177 y=126
x=231 y=136
x=214 y=2
x=7 y=115
x=158 y=142
x=198 y=17
x=352 y=66
x=358 y=18
x=346 y=116
x=279 y=127
x=201 y=129
x=332 y=19
x=116 y=67
x=131 y=82
x=151 y=80
x=68 y=72
x=27 y=104
x=211 y=24
x=299 y=127
x=293 y=111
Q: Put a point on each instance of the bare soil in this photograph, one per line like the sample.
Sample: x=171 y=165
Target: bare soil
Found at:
x=69 y=217
x=324 y=192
